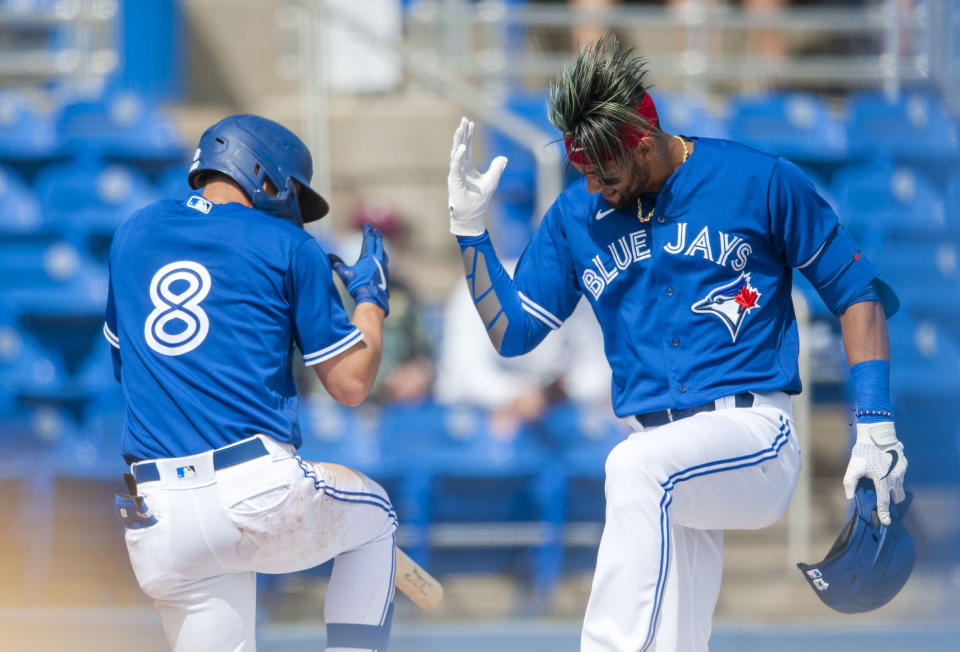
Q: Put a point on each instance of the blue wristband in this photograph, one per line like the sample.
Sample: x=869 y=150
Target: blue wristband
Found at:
x=871 y=384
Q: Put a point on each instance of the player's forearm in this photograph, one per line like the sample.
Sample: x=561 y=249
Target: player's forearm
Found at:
x=349 y=376
x=868 y=352
x=864 y=328
x=368 y=317
x=498 y=300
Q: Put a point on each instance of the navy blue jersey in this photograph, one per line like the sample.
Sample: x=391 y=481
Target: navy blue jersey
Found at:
x=206 y=303
x=695 y=304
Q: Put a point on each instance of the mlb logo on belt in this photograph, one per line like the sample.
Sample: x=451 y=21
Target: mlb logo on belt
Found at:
x=186 y=472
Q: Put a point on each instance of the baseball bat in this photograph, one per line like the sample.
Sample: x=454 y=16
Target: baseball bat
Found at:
x=416 y=583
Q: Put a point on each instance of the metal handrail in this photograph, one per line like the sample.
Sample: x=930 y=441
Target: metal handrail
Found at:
x=89 y=56
x=887 y=68
x=448 y=82
x=830 y=19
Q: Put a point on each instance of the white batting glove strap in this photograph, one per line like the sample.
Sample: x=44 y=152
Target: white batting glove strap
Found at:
x=877 y=455
x=470 y=192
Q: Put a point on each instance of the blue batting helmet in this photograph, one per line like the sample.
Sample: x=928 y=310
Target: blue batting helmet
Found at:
x=251 y=150
x=869 y=563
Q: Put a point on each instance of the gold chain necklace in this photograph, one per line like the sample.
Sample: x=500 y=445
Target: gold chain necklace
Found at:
x=649 y=216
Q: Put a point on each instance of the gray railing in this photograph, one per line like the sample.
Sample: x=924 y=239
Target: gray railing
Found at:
x=887 y=43
x=83 y=54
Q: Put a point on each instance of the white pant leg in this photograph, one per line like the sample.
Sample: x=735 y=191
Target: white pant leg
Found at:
x=216 y=614
x=715 y=470
x=359 y=593
x=693 y=585
x=358 y=608
x=274 y=514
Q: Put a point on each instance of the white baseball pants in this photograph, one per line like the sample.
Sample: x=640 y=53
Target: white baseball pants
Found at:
x=671 y=491
x=274 y=514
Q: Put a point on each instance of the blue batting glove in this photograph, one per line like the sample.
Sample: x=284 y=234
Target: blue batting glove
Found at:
x=367 y=279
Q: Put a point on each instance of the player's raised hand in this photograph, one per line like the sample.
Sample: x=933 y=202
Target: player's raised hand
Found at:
x=367 y=279
x=877 y=455
x=469 y=191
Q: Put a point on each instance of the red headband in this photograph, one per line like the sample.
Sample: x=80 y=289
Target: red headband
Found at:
x=647 y=110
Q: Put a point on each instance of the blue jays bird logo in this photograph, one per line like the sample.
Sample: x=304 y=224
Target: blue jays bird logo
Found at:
x=730 y=303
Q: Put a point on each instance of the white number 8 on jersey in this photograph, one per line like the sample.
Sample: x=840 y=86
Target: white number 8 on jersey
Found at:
x=180 y=305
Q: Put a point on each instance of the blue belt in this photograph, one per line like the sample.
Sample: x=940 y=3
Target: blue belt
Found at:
x=663 y=417
x=222 y=458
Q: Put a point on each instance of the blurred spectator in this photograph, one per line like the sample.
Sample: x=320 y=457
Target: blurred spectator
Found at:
x=406 y=369
x=766 y=43
x=568 y=365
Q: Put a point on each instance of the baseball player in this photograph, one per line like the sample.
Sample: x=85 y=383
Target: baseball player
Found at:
x=684 y=248
x=207 y=299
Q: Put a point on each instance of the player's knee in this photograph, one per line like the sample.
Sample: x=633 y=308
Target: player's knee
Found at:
x=629 y=464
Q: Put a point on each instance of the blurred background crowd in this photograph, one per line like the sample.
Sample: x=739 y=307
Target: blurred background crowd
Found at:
x=495 y=465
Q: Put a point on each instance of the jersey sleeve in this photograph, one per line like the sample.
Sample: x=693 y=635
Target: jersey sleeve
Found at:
x=321 y=327
x=546 y=279
x=809 y=237
x=519 y=311
x=110 y=328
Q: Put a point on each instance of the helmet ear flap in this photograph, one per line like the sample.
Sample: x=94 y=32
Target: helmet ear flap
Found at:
x=264 y=182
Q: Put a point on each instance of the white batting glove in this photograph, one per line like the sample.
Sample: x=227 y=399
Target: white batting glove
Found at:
x=469 y=191
x=877 y=455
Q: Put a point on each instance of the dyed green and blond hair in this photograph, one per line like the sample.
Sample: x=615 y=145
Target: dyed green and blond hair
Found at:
x=594 y=99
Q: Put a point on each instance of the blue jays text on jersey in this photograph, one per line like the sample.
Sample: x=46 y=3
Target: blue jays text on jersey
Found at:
x=694 y=305
x=634 y=247
x=205 y=305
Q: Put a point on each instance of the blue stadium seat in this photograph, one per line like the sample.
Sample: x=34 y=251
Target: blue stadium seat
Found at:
x=507 y=482
x=56 y=294
x=33 y=377
x=797 y=125
x=92 y=199
x=680 y=114
x=121 y=126
x=953 y=201
x=914 y=126
x=28 y=138
x=882 y=202
x=927 y=278
x=95 y=374
x=585 y=436
x=172 y=182
x=33 y=438
x=93 y=450
x=21 y=211
x=334 y=433
x=926 y=389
